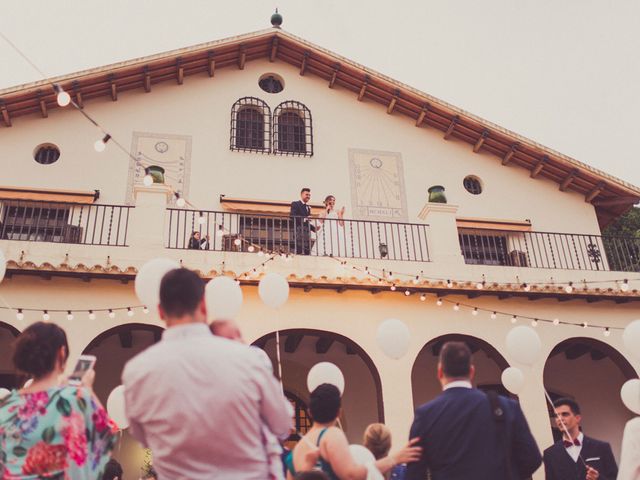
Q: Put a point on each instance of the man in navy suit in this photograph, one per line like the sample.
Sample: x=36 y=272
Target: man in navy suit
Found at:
x=300 y=212
x=577 y=457
x=466 y=434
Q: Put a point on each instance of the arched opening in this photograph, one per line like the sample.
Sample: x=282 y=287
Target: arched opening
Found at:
x=301 y=349
x=293 y=131
x=592 y=373
x=113 y=349
x=9 y=378
x=487 y=360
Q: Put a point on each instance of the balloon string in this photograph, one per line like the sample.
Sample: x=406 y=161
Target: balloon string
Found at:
x=278 y=358
x=562 y=425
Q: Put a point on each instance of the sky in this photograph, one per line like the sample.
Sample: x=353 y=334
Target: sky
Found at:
x=563 y=73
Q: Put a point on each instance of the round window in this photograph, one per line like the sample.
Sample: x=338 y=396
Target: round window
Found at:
x=46 y=154
x=472 y=185
x=271 y=83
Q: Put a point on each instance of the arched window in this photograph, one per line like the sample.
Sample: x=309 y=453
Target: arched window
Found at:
x=250 y=125
x=293 y=132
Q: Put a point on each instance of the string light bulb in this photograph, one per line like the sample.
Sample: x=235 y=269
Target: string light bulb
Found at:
x=449 y=284
x=423 y=297
x=147 y=181
x=534 y=322
x=129 y=312
x=180 y=202
x=20 y=315
x=456 y=307
x=407 y=293
x=526 y=287
x=625 y=285
x=237 y=242
x=62 y=97
x=556 y=321
x=474 y=312
x=569 y=288
x=480 y=285
x=260 y=253
x=514 y=319
x=393 y=288
x=439 y=302
x=251 y=248
x=101 y=144
x=416 y=280
x=69 y=315
x=494 y=315
x=112 y=314
x=606 y=332
x=585 y=324
x=145 y=310
x=92 y=316
x=45 y=316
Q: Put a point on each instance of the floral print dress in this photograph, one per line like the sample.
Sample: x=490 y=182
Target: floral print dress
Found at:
x=60 y=434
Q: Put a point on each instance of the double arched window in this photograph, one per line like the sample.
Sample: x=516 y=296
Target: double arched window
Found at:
x=251 y=127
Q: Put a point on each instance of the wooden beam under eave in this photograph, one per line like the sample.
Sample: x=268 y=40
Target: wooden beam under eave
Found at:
x=452 y=126
x=179 y=71
x=323 y=345
x=242 y=57
x=478 y=145
x=6 y=118
x=43 y=105
x=363 y=89
x=114 y=88
x=211 y=63
x=274 y=49
x=78 y=93
x=597 y=190
x=392 y=103
x=568 y=179
x=334 y=75
x=303 y=65
x=147 y=80
x=422 y=115
x=539 y=166
x=509 y=155
x=614 y=202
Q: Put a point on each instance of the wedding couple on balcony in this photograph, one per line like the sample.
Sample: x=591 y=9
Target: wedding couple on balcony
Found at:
x=321 y=236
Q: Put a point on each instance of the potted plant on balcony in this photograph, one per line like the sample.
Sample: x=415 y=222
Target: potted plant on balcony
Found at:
x=436 y=194
x=156 y=173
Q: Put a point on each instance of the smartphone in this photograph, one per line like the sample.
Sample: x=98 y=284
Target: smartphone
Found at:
x=84 y=363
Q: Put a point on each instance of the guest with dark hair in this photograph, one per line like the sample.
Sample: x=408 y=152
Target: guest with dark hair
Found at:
x=299 y=213
x=112 y=471
x=576 y=455
x=215 y=394
x=48 y=430
x=330 y=443
x=466 y=433
x=196 y=242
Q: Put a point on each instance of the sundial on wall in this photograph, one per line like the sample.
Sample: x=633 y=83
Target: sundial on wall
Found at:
x=377 y=185
x=171 y=152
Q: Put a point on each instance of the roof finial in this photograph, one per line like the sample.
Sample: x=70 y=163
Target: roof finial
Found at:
x=276 y=19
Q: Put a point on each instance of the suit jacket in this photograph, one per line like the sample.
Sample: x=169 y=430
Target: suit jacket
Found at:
x=461 y=440
x=300 y=209
x=558 y=465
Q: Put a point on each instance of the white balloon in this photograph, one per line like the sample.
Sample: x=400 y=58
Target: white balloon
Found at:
x=393 y=338
x=4 y=392
x=513 y=380
x=273 y=290
x=630 y=394
x=631 y=338
x=147 y=285
x=116 y=407
x=223 y=297
x=3 y=265
x=325 y=372
x=524 y=345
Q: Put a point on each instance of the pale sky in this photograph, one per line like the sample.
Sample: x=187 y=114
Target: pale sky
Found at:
x=564 y=73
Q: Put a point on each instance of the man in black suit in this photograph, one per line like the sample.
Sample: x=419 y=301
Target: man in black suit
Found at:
x=577 y=457
x=466 y=434
x=300 y=212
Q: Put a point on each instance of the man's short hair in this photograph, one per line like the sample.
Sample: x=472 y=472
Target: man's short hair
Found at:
x=112 y=470
x=572 y=404
x=324 y=403
x=455 y=358
x=181 y=291
x=305 y=189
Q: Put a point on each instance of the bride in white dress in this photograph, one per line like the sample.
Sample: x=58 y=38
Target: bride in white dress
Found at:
x=330 y=240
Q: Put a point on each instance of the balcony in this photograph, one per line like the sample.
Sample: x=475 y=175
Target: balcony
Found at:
x=549 y=250
x=238 y=232
x=58 y=222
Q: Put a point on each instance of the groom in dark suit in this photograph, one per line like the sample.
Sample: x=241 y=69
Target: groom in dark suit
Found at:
x=466 y=434
x=299 y=213
x=577 y=457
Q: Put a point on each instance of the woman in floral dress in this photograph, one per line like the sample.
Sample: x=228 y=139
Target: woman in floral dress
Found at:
x=47 y=430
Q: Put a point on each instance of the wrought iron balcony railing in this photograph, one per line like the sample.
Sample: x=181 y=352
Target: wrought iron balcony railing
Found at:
x=550 y=250
x=225 y=231
x=57 y=222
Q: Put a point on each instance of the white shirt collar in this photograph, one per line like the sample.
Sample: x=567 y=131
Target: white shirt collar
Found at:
x=188 y=330
x=457 y=383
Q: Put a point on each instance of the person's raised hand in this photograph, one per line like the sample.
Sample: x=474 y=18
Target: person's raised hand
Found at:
x=88 y=378
x=409 y=453
x=592 y=473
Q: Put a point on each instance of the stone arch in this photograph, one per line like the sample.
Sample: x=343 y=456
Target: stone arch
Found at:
x=488 y=360
x=301 y=348
x=592 y=372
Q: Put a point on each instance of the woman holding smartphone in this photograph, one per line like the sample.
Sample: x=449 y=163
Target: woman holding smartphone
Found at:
x=48 y=430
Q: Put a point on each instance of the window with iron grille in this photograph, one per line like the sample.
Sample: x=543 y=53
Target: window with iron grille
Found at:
x=293 y=131
x=484 y=249
x=38 y=223
x=271 y=83
x=472 y=185
x=301 y=416
x=46 y=154
x=250 y=125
